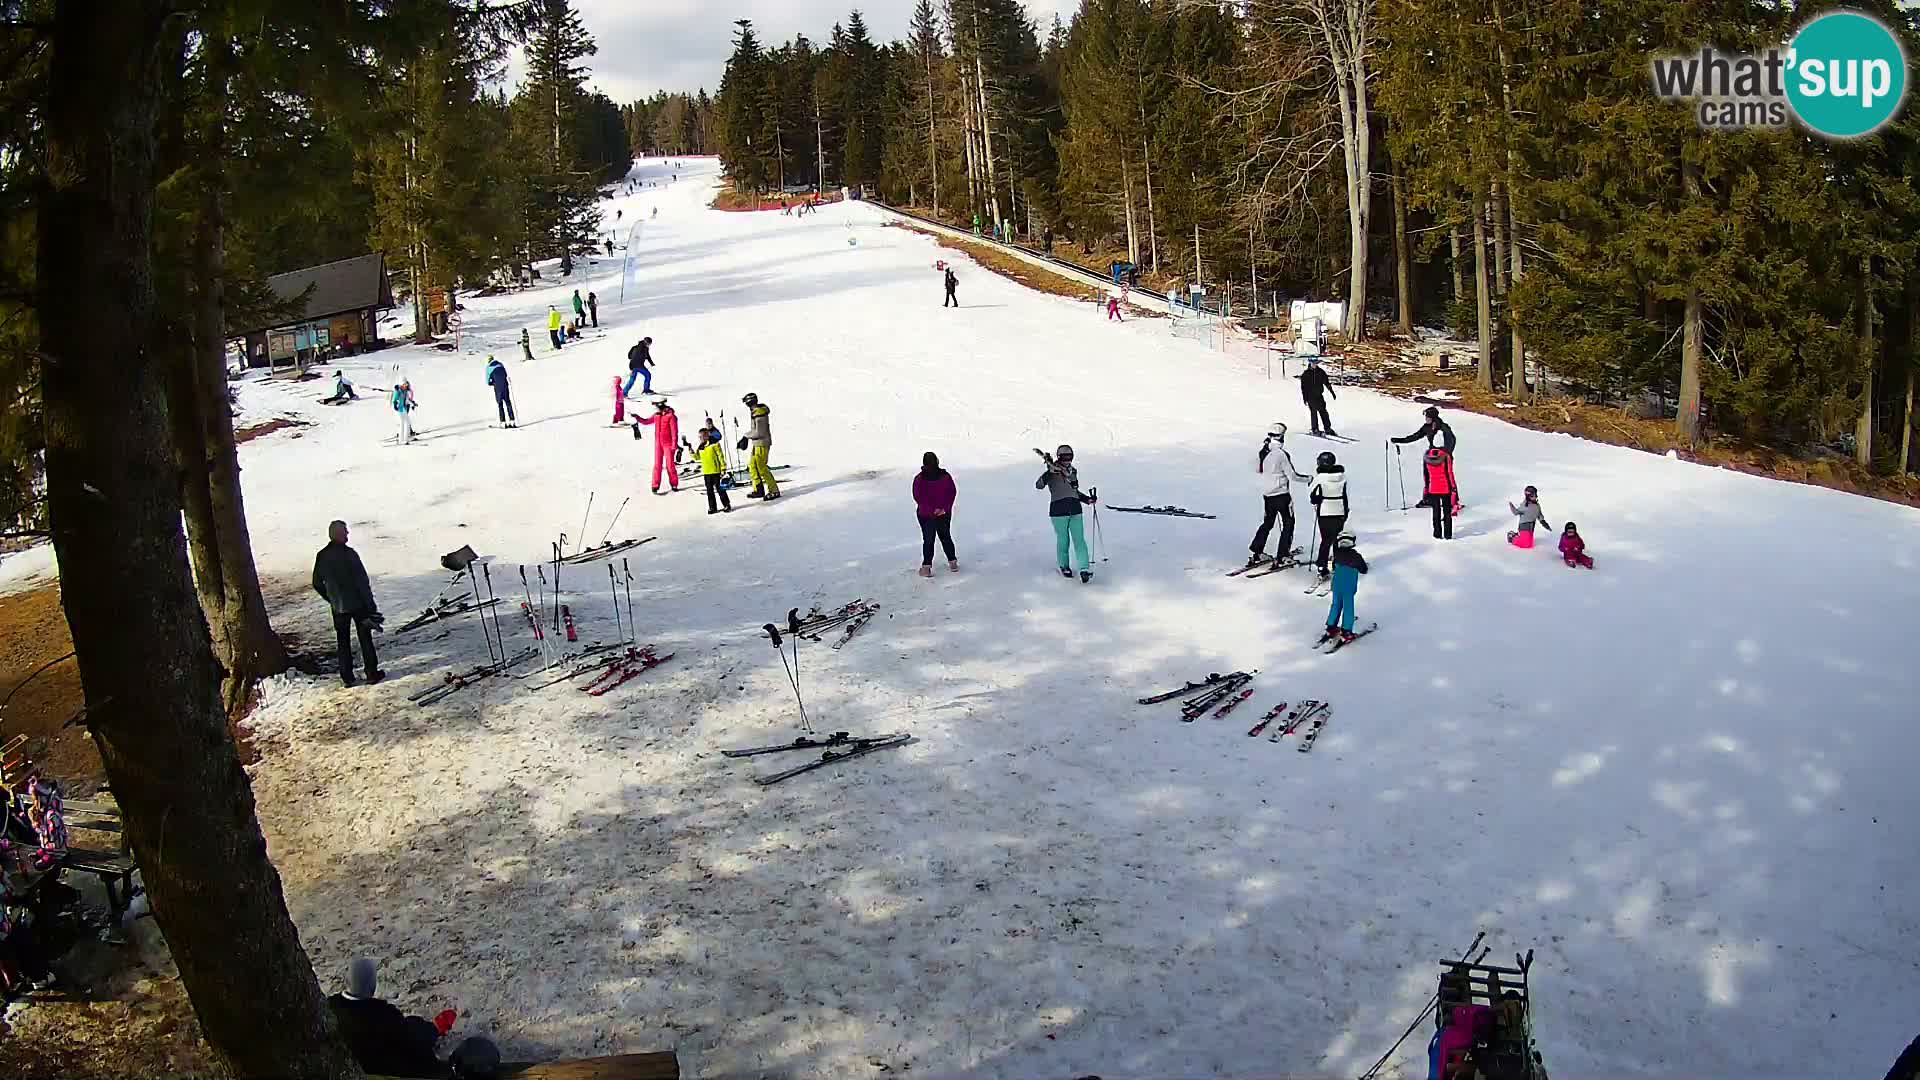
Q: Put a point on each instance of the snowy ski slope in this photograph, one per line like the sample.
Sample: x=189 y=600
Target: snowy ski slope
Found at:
x=1685 y=778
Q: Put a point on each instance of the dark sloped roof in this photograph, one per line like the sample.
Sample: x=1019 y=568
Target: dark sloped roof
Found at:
x=341 y=286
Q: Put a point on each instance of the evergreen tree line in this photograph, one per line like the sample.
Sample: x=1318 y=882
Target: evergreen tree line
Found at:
x=1501 y=169
x=671 y=124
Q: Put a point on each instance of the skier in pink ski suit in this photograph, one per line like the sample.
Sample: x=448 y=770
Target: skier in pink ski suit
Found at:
x=666 y=436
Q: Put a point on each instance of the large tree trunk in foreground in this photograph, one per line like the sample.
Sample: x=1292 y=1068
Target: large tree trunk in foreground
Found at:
x=146 y=666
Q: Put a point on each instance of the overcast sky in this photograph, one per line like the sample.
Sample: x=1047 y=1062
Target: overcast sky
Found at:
x=652 y=45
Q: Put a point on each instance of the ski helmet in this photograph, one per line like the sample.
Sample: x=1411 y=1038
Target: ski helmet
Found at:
x=1532 y=492
x=1277 y=430
x=1432 y=413
x=1063 y=452
x=1325 y=460
x=1346 y=539
x=750 y=400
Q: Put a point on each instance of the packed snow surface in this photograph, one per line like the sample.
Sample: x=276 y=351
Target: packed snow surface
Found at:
x=1684 y=778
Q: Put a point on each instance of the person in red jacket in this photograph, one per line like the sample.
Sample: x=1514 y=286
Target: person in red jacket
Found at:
x=1440 y=492
x=666 y=437
x=1573 y=550
x=933 y=495
x=619 y=403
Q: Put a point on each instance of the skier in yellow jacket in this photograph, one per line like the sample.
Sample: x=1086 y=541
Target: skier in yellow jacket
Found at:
x=713 y=469
x=553 y=325
x=760 y=437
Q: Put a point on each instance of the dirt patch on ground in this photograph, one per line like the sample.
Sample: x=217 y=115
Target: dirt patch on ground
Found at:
x=33 y=636
x=250 y=432
x=729 y=199
x=1007 y=266
x=1384 y=360
x=146 y=1029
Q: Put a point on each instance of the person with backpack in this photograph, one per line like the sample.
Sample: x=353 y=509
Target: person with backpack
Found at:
x=952 y=284
x=759 y=436
x=553 y=327
x=593 y=302
x=1573 y=550
x=713 y=470
x=1348 y=565
x=1274 y=466
x=1328 y=493
x=1439 y=491
x=639 y=361
x=1314 y=388
x=404 y=404
x=933 y=495
x=502 y=393
x=666 y=440
x=1061 y=482
x=1530 y=514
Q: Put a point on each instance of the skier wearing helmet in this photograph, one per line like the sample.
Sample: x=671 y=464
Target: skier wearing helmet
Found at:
x=1439 y=491
x=1274 y=467
x=760 y=437
x=1530 y=515
x=1328 y=493
x=1061 y=482
x=1314 y=388
x=666 y=441
x=1348 y=565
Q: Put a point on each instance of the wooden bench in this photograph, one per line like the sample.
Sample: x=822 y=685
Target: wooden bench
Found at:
x=657 y=1066
x=114 y=867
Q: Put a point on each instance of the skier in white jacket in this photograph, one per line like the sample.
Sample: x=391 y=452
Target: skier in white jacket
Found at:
x=1328 y=492
x=1274 y=467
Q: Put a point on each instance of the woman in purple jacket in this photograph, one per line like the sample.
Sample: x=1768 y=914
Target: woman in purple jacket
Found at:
x=933 y=494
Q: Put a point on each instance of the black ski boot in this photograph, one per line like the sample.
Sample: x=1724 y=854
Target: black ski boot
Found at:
x=1066 y=572
x=1086 y=576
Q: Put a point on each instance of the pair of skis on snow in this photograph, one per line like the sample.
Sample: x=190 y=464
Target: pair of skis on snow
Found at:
x=1269 y=565
x=1310 y=712
x=628 y=665
x=452 y=683
x=835 y=748
x=848 y=619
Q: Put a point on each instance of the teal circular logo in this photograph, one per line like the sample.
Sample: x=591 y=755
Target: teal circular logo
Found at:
x=1847 y=74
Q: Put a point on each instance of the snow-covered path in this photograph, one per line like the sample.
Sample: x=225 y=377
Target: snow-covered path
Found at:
x=1684 y=778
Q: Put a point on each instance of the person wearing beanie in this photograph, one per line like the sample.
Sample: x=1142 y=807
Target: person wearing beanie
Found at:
x=385 y=1041
x=713 y=471
x=933 y=495
x=666 y=440
x=1314 y=388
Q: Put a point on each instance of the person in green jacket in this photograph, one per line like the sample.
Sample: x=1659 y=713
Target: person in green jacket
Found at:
x=713 y=468
x=579 y=311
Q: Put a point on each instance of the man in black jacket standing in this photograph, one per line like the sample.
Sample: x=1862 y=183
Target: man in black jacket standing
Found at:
x=342 y=582
x=1314 y=388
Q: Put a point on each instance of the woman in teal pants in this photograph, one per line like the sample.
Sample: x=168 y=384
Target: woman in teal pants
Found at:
x=1062 y=483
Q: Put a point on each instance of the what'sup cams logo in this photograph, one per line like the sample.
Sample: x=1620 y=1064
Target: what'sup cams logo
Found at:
x=1842 y=75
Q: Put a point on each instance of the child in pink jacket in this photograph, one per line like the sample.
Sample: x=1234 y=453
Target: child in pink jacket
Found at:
x=619 y=403
x=1573 y=550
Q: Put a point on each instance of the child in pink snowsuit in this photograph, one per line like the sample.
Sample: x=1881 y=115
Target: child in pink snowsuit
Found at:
x=619 y=403
x=1113 y=309
x=666 y=437
x=1573 y=550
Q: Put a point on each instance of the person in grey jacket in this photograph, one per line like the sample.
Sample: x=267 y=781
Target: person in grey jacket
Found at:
x=1061 y=482
x=341 y=581
x=1530 y=516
